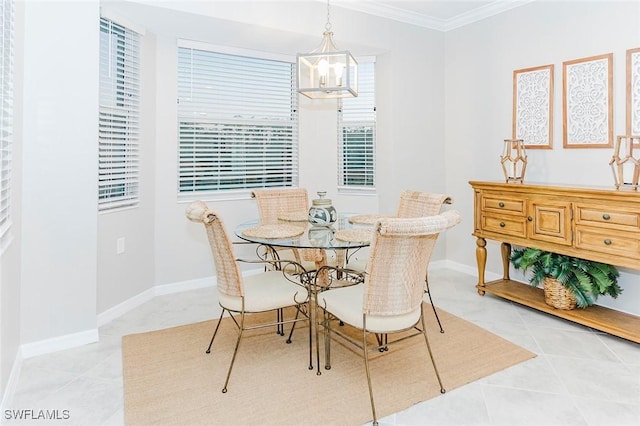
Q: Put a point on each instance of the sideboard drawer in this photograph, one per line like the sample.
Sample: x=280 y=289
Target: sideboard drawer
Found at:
x=504 y=225
x=503 y=204
x=606 y=216
x=616 y=243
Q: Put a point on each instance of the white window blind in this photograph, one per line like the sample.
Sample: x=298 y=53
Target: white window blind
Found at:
x=357 y=133
x=237 y=122
x=118 y=137
x=6 y=117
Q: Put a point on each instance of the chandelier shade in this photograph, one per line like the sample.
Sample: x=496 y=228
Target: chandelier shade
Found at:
x=327 y=72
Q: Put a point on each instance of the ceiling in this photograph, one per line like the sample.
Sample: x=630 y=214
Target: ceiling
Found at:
x=440 y=15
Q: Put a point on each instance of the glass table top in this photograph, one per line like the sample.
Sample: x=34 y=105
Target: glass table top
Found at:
x=301 y=234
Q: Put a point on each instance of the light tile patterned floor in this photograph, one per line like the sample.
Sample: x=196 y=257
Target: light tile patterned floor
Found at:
x=580 y=377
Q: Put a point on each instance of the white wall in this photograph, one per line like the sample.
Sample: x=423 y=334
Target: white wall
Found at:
x=412 y=105
x=479 y=65
x=59 y=170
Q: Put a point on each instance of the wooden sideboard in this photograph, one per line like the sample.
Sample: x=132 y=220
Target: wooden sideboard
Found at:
x=597 y=224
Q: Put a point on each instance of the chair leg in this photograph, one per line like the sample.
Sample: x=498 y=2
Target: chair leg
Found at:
x=327 y=341
x=216 y=331
x=293 y=326
x=426 y=339
x=426 y=290
x=235 y=352
x=383 y=340
x=310 y=341
x=279 y=319
x=366 y=366
x=313 y=318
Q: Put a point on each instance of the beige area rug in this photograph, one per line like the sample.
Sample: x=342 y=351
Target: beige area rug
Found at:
x=169 y=380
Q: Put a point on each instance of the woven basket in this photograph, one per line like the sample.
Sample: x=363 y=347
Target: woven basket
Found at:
x=556 y=295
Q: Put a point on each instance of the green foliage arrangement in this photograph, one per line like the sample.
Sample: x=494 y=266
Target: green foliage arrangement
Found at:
x=584 y=278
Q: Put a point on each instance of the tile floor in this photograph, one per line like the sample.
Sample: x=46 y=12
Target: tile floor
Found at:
x=580 y=377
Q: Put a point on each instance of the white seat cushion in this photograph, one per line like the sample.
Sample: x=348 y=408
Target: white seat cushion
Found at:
x=346 y=304
x=264 y=292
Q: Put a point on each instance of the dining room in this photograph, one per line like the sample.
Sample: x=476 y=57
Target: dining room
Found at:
x=443 y=107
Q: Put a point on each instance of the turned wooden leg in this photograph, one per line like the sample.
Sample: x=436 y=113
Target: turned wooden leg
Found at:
x=505 y=249
x=481 y=260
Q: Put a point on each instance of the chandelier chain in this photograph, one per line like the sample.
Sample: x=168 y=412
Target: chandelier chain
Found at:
x=327 y=26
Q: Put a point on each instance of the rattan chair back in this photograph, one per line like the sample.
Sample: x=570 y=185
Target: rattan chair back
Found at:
x=421 y=204
x=228 y=275
x=399 y=256
x=274 y=203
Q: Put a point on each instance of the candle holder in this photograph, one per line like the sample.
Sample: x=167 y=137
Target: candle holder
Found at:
x=626 y=167
x=513 y=160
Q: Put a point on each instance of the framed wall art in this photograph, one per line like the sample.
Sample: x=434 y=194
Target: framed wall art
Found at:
x=533 y=106
x=587 y=104
x=633 y=91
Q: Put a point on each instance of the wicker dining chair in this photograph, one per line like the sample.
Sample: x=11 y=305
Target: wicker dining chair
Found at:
x=287 y=204
x=417 y=204
x=421 y=204
x=277 y=204
x=271 y=290
x=391 y=298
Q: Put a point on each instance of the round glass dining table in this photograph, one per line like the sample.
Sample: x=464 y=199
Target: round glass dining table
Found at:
x=339 y=237
x=342 y=235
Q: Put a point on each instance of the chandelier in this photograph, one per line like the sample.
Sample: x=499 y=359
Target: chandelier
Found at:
x=327 y=72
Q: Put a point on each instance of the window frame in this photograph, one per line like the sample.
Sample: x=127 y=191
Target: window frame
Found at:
x=219 y=119
x=371 y=121
x=7 y=40
x=119 y=98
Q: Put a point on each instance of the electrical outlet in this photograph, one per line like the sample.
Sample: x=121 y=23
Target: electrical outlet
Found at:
x=120 y=245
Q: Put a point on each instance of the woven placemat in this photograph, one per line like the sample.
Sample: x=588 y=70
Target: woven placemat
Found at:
x=293 y=217
x=354 y=235
x=366 y=219
x=273 y=231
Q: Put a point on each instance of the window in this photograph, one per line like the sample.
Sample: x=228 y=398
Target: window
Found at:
x=118 y=133
x=357 y=133
x=237 y=122
x=6 y=117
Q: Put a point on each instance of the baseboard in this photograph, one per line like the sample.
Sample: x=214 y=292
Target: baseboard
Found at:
x=185 y=286
x=124 y=307
x=73 y=340
x=12 y=383
x=460 y=267
x=137 y=300
x=78 y=339
x=437 y=264
x=60 y=343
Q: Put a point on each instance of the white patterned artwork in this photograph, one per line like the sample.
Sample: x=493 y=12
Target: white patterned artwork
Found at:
x=588 y=102
x=633 y=91
x=533 y=106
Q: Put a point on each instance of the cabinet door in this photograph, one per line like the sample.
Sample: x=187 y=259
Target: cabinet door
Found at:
x=549 y=221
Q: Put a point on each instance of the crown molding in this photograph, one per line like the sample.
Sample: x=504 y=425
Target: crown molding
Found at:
x=408 y=17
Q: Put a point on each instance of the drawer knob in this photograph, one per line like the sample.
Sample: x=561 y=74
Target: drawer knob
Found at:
x=529 y=218
x=501 y=204
x=606 y=216
x=502 y=225
x=607 y=242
